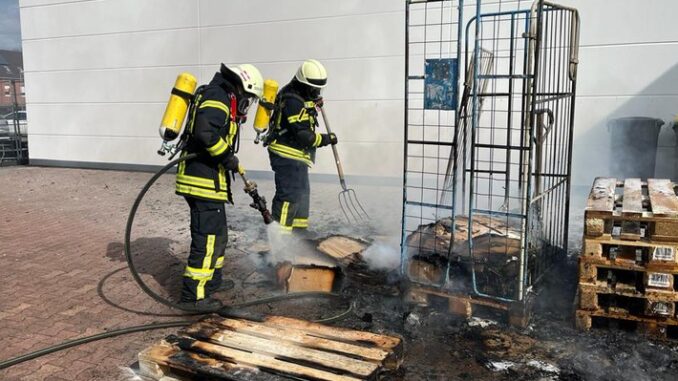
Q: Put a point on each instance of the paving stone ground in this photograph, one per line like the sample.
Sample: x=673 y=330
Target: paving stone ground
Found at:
x=63 y=270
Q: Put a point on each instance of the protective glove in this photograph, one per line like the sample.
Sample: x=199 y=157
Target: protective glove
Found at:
x=319 y=102
x=231 y=163
x=328 y=139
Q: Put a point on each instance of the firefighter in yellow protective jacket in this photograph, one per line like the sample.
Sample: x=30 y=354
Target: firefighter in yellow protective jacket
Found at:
x=292 y=144
x=213 y=125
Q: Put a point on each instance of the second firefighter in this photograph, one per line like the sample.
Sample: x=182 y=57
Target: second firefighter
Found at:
x=292 y=143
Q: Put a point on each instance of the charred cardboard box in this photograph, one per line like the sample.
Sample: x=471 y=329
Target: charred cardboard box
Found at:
x=495 y=255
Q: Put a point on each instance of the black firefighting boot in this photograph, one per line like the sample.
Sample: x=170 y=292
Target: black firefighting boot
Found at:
x=225 y=285
x=208 y=305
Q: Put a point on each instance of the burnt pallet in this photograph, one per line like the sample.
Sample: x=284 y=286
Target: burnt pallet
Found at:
x=650 y=281
x=219 y=348
x=655 y=327
x=632 y=210
x=516 y=313
x=594 y=297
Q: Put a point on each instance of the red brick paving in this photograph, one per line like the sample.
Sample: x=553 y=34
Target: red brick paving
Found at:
x=64 y=274
x=57 y=227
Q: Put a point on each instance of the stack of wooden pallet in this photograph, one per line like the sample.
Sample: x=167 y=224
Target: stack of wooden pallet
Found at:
x=217 y=348
x=628 y=269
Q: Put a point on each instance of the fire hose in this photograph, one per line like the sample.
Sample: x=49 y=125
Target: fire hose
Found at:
x=234 y=311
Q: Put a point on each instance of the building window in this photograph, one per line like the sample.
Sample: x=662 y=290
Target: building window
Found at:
x=7 y=90
x=23 y=90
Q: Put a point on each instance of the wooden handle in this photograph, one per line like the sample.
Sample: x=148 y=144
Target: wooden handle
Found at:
x=340 y=169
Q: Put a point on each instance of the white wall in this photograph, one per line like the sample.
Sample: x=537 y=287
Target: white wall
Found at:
x=98 y=72
x=628 y=67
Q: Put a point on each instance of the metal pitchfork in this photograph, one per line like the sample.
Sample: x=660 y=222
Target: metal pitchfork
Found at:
x=348 y=201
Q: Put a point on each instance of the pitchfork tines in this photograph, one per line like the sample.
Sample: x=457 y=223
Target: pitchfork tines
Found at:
x=348 y=201
x=350 y=206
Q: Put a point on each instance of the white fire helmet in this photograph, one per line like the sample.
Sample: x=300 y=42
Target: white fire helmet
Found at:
x=312 y=73
x=251 y=78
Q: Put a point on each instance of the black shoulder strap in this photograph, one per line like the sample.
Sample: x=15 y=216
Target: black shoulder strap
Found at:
x=284 y=96
x=193 y=105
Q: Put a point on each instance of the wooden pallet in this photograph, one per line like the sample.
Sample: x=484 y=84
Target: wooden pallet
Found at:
x=217 y=348
x=659 y=328
x=594 y=297
x=651 y=281
x=632 y=210
x=516 y=313
x=648 y=253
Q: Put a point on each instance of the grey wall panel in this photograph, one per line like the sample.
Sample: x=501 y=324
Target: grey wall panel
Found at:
x=107 y=16
x=127 y=149
x=102 y=86
x=233 y=12
x=372 y=35
x=37 y=3
x=97 y=119
x=142 y=49
x=628 y=70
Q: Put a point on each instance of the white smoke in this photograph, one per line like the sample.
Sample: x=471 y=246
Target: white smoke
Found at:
x=286 y=247
x=383 y=254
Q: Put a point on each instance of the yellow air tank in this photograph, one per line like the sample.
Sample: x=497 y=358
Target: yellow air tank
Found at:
x=175 y=113
x=265 y=107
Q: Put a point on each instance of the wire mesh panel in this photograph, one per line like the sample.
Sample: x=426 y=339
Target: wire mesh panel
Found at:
x=431 y=40
x=552 y=121
x=497 y=161
x=520 y=142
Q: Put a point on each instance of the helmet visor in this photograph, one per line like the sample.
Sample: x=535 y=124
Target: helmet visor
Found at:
x=320 y=82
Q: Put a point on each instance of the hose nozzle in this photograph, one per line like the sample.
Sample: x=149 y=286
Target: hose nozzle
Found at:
x=258 y=202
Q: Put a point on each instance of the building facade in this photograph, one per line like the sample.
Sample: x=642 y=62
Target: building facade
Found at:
x=97 y=84
x=11 y=79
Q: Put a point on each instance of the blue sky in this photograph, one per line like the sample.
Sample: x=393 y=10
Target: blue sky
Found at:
x=10 y=28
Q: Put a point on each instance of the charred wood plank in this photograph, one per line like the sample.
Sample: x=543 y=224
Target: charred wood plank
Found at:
x=275 y=348
x=265 y=362
x=601 y=198
x=663 y=199
x=301 y=338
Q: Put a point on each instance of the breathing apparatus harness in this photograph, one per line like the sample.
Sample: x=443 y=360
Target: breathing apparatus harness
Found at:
x=275 y=130
x=258 y=201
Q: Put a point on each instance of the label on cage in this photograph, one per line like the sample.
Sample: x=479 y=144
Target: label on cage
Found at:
x=659 y=280
x=440 y=83
x=616 y=230
x=663 y=254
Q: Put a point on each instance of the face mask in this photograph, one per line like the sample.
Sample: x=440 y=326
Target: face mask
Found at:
x=314 y=93
x=245 y=104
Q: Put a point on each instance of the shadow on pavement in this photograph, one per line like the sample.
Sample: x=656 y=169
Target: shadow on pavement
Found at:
x=158 y=265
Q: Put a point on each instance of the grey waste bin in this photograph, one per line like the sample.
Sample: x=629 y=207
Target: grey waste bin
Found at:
x=634 y=146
